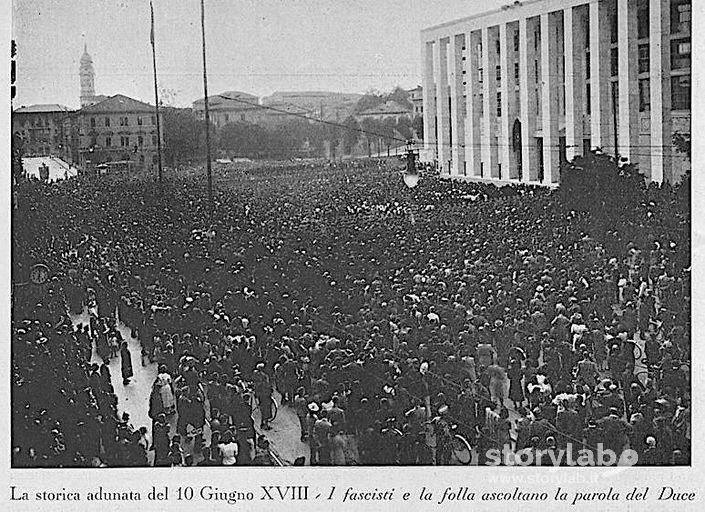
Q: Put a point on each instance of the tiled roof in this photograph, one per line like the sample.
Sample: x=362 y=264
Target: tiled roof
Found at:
x=45 y=107
x=118 y=103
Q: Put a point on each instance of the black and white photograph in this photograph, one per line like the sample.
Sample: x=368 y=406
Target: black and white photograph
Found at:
x=316 y=233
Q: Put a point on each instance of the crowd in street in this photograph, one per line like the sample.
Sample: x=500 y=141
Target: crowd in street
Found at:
x=388 y=315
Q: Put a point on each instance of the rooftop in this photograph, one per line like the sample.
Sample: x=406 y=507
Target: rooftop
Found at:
x=118 y=103
x=390 y=107
x=43 y=108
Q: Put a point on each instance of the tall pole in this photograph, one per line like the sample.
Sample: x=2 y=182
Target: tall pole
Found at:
x=156 y=95
x=205 y=104
x=614 y=122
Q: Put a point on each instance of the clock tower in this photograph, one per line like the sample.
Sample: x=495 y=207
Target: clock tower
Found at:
x=87 y=74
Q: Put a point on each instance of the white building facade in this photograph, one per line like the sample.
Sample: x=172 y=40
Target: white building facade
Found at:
x=511 y=94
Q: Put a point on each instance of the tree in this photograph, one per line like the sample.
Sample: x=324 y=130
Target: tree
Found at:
x=388 y=132
x=682 y=143
x=369 y=126
x=370 y=99
x=404 y=127
x=184 y=135
x=351 y=134
x=417 y=126
x=401 y=96
x=595 y=185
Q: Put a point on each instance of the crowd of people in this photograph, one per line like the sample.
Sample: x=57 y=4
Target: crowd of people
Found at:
x=376 y=313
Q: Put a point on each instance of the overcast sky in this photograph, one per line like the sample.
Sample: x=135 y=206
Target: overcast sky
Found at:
x=256 y=46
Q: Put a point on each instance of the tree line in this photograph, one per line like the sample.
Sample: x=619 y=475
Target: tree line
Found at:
x=184 y=135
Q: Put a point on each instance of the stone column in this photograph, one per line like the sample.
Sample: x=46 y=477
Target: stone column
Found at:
x=574 y=41
x=473 y=142
x=527 y=97
x=601 y=116
x=507 y=58
x=457 y=104
x=489 y=83
x=549 y=102
x=429 y=102
x=440 y=61
x=660 y=82
x=628 y=132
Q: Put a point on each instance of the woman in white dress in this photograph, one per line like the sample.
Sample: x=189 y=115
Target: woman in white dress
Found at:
x=166 y=390
x=228 y=449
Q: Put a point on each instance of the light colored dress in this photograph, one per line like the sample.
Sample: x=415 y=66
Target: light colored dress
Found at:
x=166 y=393
x=337 y=450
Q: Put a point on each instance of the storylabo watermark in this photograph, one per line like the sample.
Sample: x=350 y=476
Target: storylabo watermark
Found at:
x=568 y=456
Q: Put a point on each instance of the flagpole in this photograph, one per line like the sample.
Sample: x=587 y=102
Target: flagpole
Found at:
x=205 y=104
x=156 y=94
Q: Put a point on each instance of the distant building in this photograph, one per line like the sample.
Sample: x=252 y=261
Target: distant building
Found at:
x=118 y=128
x=325 y=105
x=43 y=129
x=416 y=99
x=243 y=107
x=87 y=76
x=512 y=93
x=389 y=110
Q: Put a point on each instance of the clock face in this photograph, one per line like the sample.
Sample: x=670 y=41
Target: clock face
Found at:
x=39 y=274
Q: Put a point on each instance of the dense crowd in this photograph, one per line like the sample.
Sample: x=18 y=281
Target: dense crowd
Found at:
x=377 y=313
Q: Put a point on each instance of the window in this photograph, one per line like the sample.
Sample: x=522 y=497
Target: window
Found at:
x=139 y=120
x=123 y=121
x=536 y=71
x=497 y=46
x=227 y=118
x=140 y=140
x=642 y=19
x=680 y=92
x=613 y=23
x=680 y=54
x=614 y=61
x=644 y=62
x=479 y=51
x=587 y=65
x=516 y=72
x=154 y=120
x=516 y=41
x=154 y=140
x=92 y=122
x=680 y=16
x=108 y=142
x=107 y=121
x=498 y=73
x=479 y=75
x=588 y=99
x=644 y=95
x=242 y=117
x=499 y=104
x=141 y=159
x=154 y=159
x=537 y=38
x=124 y=141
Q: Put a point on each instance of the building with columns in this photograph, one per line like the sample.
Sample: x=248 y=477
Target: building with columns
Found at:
x=511 y=94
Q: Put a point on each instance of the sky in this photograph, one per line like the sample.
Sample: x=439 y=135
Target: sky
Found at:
x=255 y=46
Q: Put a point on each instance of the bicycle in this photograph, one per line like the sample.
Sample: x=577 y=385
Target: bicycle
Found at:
x=460 y=448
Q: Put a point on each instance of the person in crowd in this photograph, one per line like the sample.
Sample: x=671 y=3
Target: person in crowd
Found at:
x=324 y=283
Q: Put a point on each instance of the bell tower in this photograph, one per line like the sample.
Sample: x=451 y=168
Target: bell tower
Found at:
x=87 y=74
